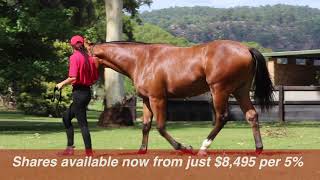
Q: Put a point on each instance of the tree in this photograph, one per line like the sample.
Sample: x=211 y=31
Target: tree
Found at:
x=34 y=39
x=114 y=113
x=28 y=30
x=150 y=33
x=114 y=84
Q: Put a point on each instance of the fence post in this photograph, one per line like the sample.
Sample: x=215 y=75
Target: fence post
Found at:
x=281 y=104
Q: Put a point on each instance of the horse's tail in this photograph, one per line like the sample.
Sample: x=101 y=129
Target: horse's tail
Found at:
x=263 y=88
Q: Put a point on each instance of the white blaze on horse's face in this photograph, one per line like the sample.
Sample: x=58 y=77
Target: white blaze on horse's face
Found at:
x=205 y=144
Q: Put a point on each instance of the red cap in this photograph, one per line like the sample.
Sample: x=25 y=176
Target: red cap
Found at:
x=75 y=39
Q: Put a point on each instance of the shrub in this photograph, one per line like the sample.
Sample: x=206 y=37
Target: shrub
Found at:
x=39 y=102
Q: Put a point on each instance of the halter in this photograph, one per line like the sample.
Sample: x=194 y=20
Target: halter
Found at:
x=91 y=49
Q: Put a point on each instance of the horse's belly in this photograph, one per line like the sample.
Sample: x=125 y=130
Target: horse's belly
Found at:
x=188 y=90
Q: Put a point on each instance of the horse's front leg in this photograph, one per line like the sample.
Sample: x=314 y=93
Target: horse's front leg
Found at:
x=147 y=120
x=158 y=106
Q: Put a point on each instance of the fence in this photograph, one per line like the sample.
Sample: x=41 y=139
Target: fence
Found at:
x=282 y=100
x=291 y=103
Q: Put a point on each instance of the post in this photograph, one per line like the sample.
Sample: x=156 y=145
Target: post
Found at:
x=281 y=104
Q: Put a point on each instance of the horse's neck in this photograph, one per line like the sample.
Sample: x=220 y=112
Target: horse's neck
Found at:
x=121 y=58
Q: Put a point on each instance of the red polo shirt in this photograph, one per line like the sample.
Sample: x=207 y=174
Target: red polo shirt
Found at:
x=84 y=70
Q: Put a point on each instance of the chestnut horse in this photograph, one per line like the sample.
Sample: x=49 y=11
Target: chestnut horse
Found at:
x=161 y=71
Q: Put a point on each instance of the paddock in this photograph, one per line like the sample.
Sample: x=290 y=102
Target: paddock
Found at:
x=20 y=131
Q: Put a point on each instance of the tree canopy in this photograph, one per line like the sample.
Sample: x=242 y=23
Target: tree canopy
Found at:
x=34 y=39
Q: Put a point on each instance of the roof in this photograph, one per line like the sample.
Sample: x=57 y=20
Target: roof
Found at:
x=315 y=53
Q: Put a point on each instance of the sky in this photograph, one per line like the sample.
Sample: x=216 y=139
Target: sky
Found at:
x=160 y=4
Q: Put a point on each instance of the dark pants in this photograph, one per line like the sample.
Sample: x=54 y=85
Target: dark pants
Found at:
x=81 y=96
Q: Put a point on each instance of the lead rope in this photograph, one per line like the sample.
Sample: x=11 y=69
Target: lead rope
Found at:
x=59 y=99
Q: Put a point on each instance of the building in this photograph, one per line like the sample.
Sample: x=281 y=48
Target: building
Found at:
x=294 y=68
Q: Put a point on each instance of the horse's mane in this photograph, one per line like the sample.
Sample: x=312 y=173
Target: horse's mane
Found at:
x=129 y=42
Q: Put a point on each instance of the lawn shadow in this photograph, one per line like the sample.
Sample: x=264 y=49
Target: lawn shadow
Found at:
x=29 y=127
x=18 y=123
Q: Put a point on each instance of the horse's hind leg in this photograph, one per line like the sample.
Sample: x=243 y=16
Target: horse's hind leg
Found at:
x=147 y=120
x=243 y=97
x=158 y=106
x=220 y=101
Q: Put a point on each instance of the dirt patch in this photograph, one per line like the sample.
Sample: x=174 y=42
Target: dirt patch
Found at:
x=121 y=114
x=275 y=132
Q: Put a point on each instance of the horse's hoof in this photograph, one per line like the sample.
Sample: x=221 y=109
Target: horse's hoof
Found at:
x=202 y=153
x=259 y=150
x=187 y=150
x=142 y=151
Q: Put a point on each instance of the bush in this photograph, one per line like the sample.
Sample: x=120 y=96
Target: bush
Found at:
x=36 y=103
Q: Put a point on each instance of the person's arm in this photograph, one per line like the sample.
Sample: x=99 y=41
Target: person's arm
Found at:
x=73 y=72
x=67 y=81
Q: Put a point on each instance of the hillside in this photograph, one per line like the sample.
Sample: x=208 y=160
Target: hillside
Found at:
x=279 y=27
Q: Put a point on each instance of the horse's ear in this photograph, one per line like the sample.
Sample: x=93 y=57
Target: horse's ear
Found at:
x=87 y=43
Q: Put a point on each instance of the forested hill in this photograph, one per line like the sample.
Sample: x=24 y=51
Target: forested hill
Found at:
x=279 y=27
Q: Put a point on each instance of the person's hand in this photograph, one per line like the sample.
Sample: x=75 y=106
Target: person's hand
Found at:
x=59 y=86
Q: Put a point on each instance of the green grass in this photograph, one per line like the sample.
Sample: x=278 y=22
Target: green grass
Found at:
x=19 y=131
x=96 y=105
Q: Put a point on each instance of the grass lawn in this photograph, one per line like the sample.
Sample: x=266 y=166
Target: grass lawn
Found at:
x=19 y=131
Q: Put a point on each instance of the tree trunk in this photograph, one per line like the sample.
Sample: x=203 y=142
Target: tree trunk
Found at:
x=116 y=111
x=113 y=80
